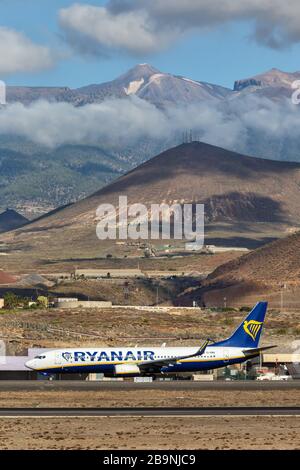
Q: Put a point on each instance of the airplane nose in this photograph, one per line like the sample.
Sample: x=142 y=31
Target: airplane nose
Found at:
x=30 y=364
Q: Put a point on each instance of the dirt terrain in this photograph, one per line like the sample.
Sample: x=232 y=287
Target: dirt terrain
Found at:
x=272 y=433
x=58 y=280
x=147 y=398
x=124 y=257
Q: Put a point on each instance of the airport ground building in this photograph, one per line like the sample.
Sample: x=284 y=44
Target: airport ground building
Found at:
x=67 y=303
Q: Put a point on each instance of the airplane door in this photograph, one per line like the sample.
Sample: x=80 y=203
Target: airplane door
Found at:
x=58 y=359
x=226 y=355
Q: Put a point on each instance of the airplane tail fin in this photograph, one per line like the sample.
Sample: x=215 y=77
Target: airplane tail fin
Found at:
x=248 y=333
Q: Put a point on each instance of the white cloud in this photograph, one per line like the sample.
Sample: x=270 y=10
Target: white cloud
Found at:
x=144 y=26
x=53 y=124
x=19 y=54
x=121 y=123
x=97 y=30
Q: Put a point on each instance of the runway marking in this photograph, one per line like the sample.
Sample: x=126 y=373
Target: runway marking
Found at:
x=196 y=412
x=180 y=386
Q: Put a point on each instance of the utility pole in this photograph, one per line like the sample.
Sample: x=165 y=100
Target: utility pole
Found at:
x=126 y=292
x=260 y=360
x=283 y=286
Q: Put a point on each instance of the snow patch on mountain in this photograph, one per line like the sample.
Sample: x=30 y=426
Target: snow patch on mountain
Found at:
x=156 y=77
x=191 y=81
x=134 y=87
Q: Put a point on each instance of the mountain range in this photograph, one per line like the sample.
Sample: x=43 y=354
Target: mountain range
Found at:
x=36 y=178
x=160 y=89
x=144 y=81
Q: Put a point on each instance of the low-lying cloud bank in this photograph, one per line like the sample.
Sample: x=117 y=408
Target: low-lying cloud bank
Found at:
x=119 y=123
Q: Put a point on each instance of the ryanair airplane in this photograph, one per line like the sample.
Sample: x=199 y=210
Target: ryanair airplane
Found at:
x=120 y=362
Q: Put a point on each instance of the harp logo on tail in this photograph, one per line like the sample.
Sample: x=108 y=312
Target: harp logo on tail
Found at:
x=252 y=328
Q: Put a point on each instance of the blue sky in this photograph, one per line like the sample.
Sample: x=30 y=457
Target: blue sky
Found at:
x=219 y=55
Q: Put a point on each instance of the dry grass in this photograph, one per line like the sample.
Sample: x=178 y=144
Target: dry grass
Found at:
x=147 y=398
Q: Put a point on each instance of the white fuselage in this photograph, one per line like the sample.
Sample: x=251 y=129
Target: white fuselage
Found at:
x=124 y=361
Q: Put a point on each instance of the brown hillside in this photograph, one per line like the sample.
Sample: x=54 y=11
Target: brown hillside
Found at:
x=233 y=187
x=269 y=272
x=237 y=191
x=276 y=262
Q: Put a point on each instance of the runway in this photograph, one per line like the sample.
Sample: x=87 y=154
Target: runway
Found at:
x=144 y=412
x=82 y=385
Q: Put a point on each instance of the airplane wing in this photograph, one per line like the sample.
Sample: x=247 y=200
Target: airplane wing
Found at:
x=157 y=364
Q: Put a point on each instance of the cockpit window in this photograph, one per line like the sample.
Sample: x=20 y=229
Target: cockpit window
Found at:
x=40 y=357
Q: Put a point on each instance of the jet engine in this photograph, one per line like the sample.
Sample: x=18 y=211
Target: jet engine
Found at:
x=127 y=369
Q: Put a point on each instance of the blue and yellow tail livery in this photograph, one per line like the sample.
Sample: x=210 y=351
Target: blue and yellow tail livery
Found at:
x=247 y=335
